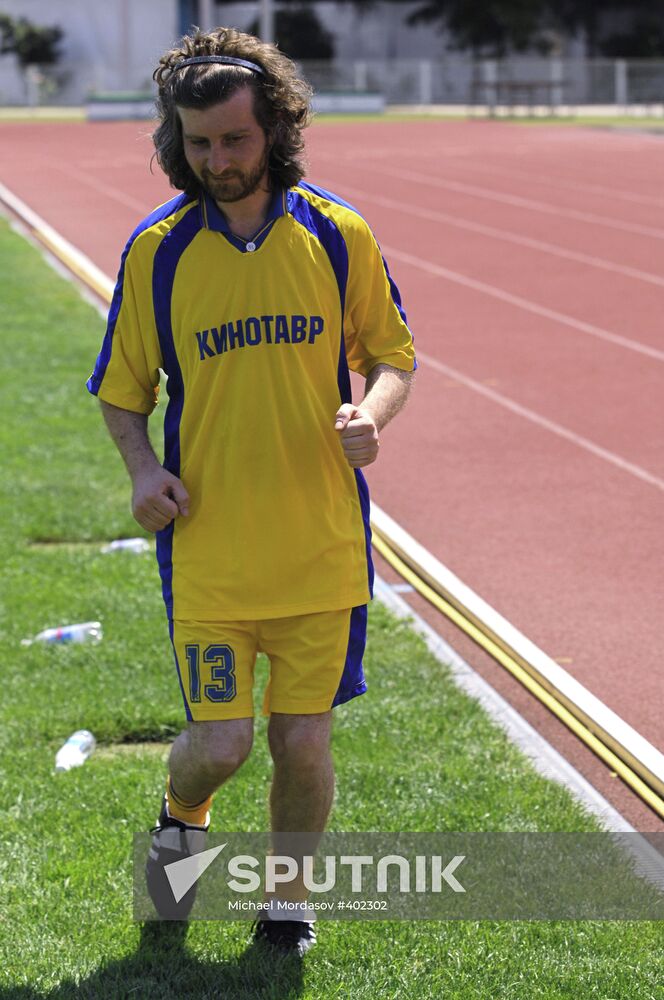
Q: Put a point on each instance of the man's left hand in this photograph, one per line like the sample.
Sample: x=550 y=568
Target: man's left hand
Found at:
x=359 y=435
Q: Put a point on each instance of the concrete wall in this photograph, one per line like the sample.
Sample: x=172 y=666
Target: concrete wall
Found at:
x=107 y=44
x=378 y=34
x=114 y=44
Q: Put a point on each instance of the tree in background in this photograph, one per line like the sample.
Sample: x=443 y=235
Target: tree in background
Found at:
x=643 y=34
x=32 y=45
x=493 y=28
x=644 y=40
x=300 y=34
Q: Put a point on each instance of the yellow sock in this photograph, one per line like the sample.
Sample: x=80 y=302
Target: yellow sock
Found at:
x=194 y=813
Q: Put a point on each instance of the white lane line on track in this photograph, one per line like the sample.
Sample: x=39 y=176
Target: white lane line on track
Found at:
x=116 y=194
x=544 y=422
x=471 y=161
x=566 y=185
x=521 y=303
x=517 y=202
x=432 y=215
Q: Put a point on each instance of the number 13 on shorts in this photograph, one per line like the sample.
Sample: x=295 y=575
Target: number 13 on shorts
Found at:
x=220 y=661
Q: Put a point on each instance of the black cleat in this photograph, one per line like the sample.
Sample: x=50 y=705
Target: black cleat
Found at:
x=291 y=937
x=173 y=841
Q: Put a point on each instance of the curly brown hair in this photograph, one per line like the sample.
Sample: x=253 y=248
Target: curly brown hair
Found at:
x=282 y=101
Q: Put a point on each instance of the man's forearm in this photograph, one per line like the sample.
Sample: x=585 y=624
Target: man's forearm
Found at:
x=386 y=392
x=130 y=433
x=157 y=495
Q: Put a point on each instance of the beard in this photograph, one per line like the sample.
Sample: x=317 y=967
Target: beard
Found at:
x=234 y=185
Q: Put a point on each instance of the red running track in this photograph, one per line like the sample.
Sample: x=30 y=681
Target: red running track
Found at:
x=531 y=458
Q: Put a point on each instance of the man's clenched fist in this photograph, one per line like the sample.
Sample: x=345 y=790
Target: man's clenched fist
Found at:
x=358 y=433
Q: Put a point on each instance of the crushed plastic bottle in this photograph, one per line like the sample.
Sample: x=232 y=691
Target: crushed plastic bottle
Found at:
x=83 y=632
x=75 y=751
x=128 y=545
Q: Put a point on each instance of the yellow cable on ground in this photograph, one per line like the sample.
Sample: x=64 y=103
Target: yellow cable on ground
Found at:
x=79 y=270
x=603 y=752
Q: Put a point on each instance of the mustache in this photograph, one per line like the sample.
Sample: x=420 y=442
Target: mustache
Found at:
x=227 y=175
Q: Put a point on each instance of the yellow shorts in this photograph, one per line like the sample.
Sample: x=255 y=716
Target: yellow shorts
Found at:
x=315 y=663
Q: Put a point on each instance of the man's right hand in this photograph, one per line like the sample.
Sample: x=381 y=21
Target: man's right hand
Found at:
x=158 y=497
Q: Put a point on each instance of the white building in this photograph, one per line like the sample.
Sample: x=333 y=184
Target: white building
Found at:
x=114 y=45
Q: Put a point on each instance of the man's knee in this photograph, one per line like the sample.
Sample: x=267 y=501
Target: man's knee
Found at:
x=221 y=747
x=299 y=739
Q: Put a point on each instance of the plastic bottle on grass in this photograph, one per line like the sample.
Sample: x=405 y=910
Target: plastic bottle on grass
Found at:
x=75 y=751
x=83 y=632
x=127 y=545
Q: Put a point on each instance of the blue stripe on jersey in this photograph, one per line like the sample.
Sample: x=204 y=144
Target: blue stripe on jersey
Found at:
x=187 y=710
x=396 y=298
x=325 y=230
x=343 y=373
x=330 y=196
x=166 y=260
x=159 y=214
x=327 y=233
x=346 y=393
x=365 y=505
x=352 y=681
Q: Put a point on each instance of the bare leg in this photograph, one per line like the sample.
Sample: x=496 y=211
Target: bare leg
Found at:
x=302 y=785
x=206 y=754
x=202 y=758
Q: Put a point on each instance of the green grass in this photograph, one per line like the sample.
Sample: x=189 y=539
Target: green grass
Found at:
x=57 y=115
x=588 y=121
x=638 y=122
x=415 y=756
x=42 y=114
x=580 y=121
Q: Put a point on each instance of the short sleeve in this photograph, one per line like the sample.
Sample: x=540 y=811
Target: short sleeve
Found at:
x=375 y=325
x=127 y=369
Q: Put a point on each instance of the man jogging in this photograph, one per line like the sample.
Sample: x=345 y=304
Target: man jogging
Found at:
x=255 y=293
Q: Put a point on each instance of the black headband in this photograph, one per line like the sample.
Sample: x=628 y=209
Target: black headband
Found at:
x=226 y=60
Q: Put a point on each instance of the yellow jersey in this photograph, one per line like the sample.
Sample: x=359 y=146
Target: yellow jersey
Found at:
x=256 y=339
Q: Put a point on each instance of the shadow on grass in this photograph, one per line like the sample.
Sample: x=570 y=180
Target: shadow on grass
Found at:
x=163 y=969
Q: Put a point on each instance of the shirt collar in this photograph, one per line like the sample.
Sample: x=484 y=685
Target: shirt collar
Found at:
x=213 y=217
